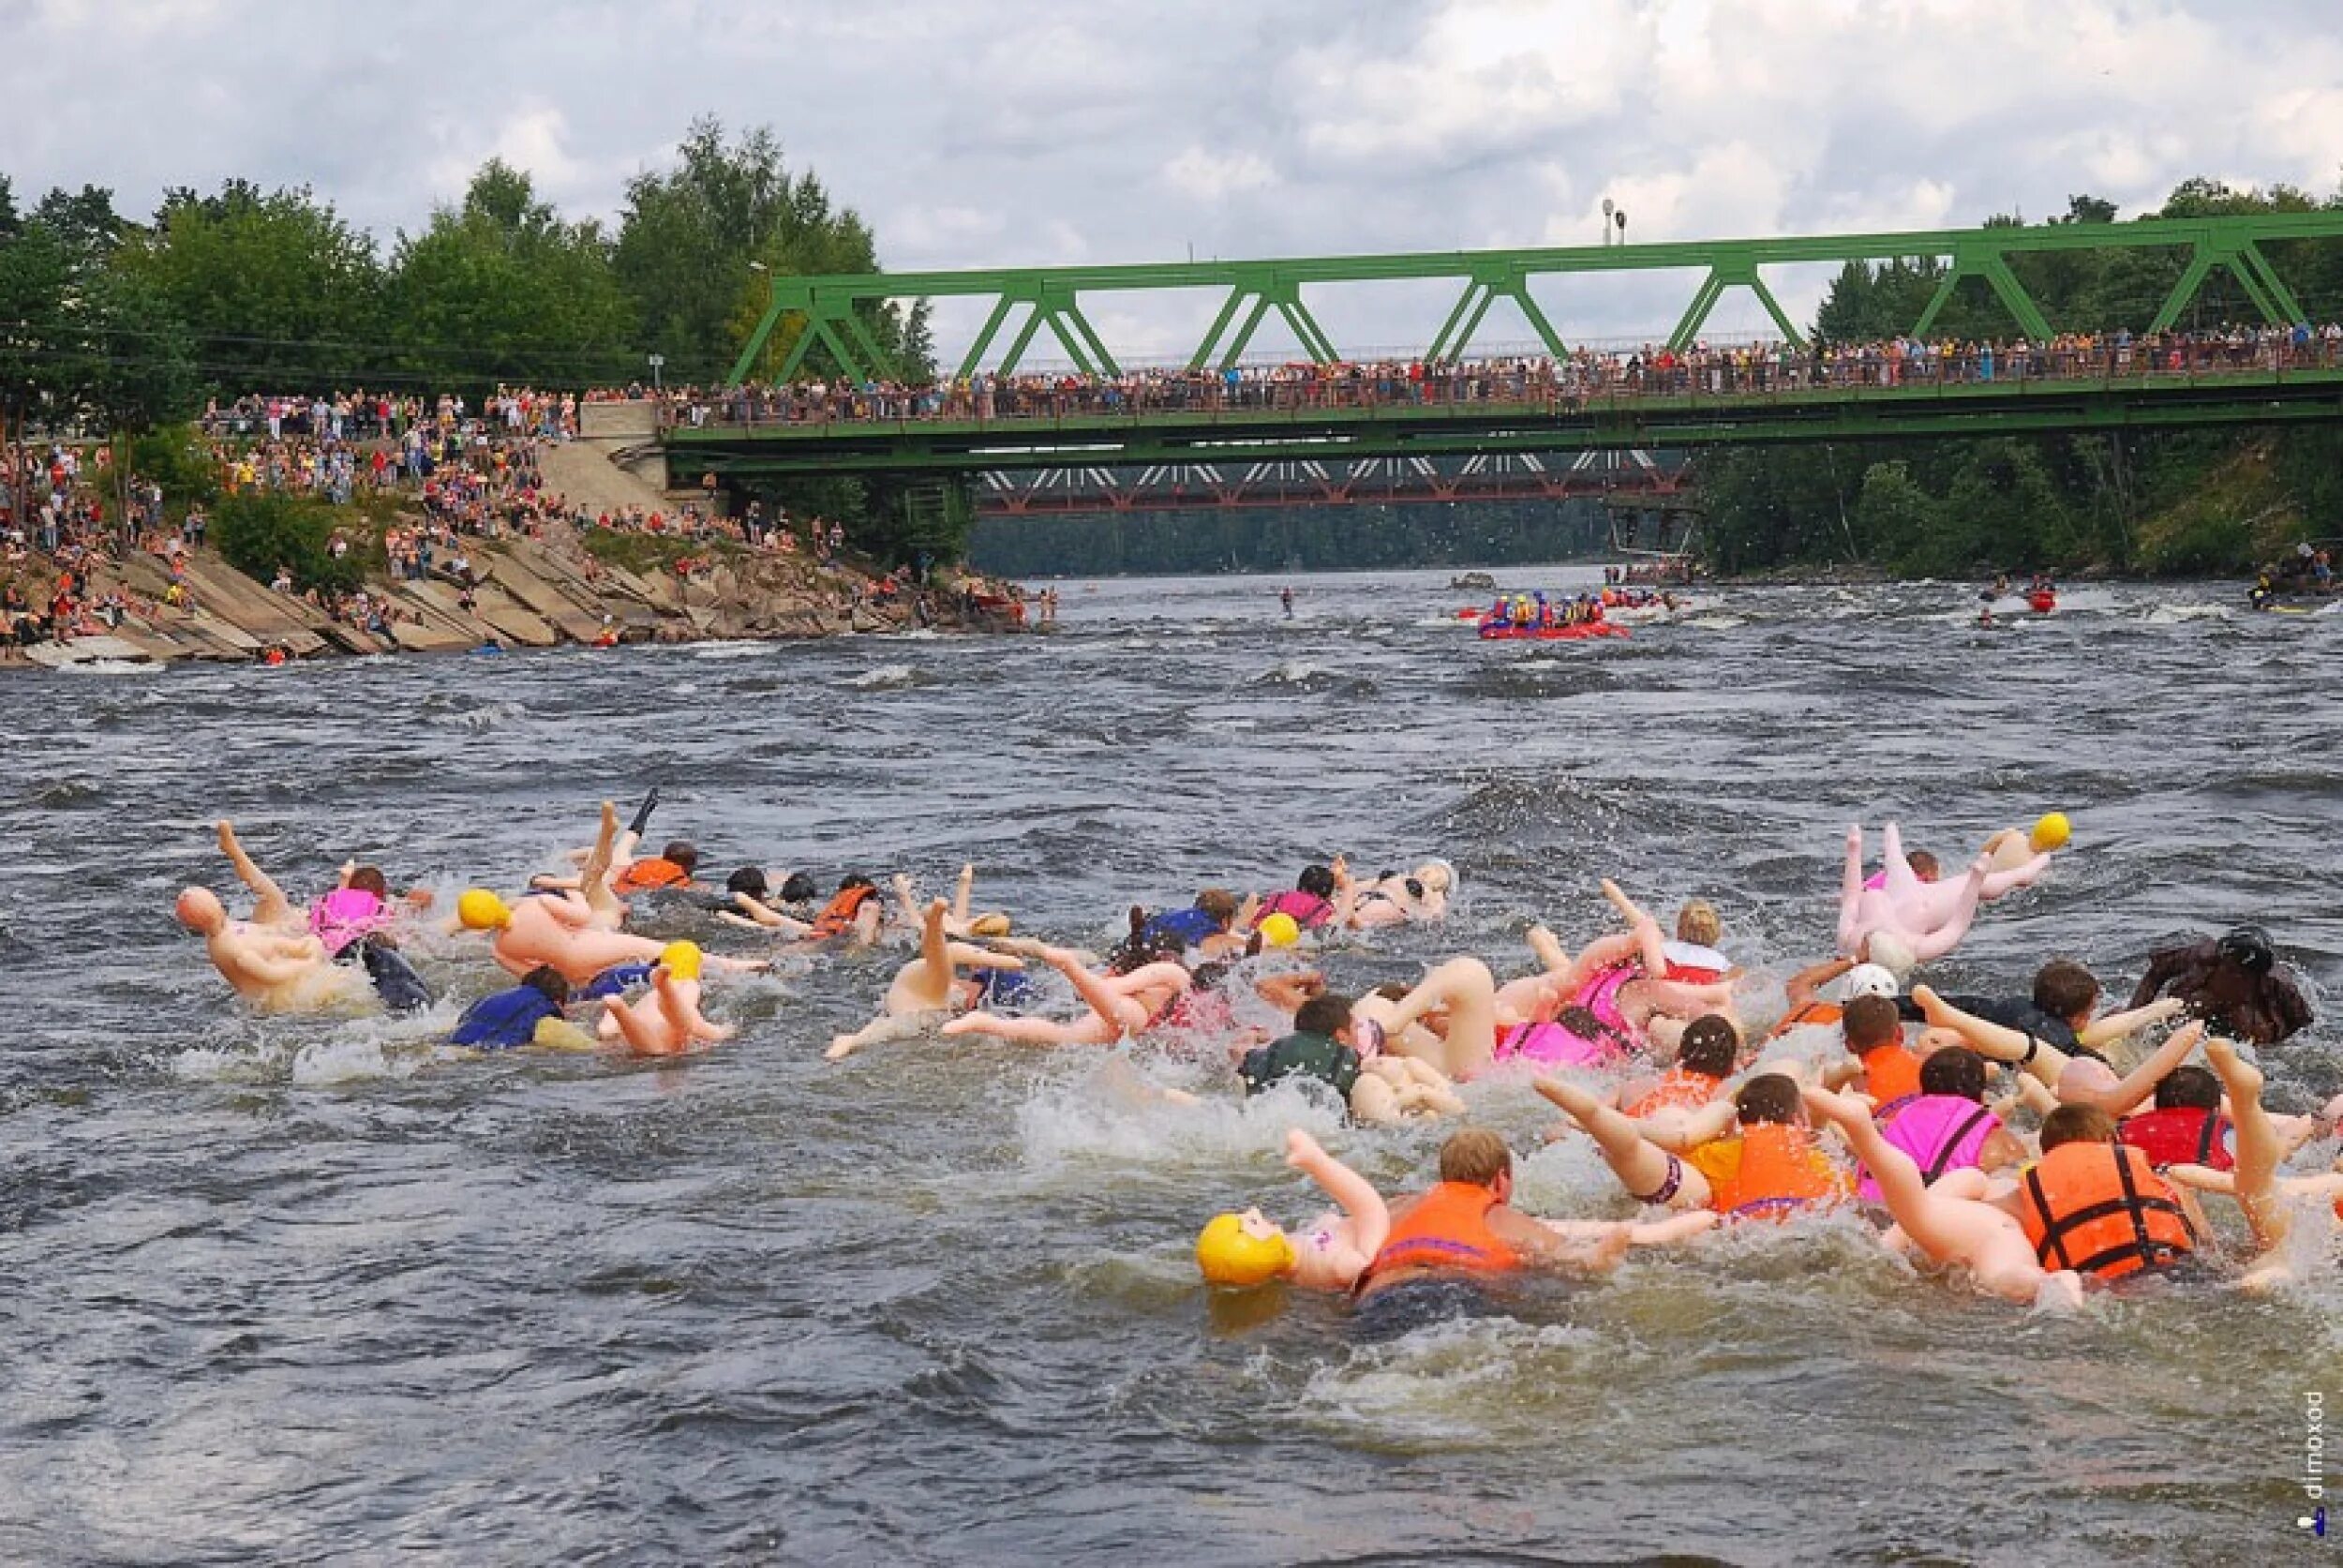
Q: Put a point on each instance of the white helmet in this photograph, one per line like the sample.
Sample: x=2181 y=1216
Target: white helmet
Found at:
x=1869 y=979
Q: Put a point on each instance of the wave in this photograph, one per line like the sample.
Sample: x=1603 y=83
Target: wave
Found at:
x=111 y=666
x=889 y=677
x=1304 y=676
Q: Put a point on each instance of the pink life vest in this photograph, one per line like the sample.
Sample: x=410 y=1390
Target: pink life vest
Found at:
x=1306 y=910
x=1941 y=1133
x=1600 y=996
x=1552 y=1045
x=345 y=915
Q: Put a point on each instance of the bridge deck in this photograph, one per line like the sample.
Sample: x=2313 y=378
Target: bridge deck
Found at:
x=1310 y=429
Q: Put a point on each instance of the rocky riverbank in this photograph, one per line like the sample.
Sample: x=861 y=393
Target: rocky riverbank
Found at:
x=527 y=593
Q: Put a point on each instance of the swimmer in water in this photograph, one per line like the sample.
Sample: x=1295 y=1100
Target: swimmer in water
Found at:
x=930 y=990
x=275 y=971
x=1947 y=1220
x=667 y=1022
x=1618 y=982
x=1239 y=1251
x=1394 y=897
x=1465 y=1228
x=1773 y=1171
x=359 y=904
x=1139 y=991
x=1334 y=1041
x=2077 y=1074
x=1207 y=925
x=560 y=929
x=529 y=1013
x=2233 y=984
x=1690 y=956
x=1687 y=1105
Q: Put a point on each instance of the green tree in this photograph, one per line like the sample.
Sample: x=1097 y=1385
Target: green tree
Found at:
x=688 y=237
x=1894 y=516
x=34 y=272
x=501 y=289
x=258 y=531
x=280 y=292
x=85 y=224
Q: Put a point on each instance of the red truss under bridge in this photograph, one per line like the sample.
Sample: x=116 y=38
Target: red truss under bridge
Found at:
x=1358 y=481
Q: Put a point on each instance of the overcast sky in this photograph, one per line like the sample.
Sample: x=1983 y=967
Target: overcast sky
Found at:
x=976 y=132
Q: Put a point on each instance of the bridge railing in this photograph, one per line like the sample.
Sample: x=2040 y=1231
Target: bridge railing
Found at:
x=1556 y=386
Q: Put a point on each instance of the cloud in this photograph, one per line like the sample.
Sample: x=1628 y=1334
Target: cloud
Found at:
x=978 y=133
x=1209 y=176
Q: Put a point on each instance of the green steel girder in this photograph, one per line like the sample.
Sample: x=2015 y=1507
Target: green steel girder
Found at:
x=1966 y=412
x=1489 y=279
x=1256 y=298
x=828 y=306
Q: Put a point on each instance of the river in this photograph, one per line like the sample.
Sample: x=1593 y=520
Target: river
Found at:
x=297 y=1290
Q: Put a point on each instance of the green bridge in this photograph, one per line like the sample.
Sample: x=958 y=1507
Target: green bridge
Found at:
x=1102 y=415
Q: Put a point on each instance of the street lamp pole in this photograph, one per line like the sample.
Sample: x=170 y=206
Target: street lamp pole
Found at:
x=1606 y=221
x=772 y=286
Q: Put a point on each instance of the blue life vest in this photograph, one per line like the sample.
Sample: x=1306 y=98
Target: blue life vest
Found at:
x=1003 y=987
x=615 y=980
x=506 y=1021
x=1190 y=925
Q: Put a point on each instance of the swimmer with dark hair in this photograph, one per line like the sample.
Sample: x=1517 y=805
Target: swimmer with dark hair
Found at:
x=2232 y=982
x=2076 y=1074
x=529 y=1013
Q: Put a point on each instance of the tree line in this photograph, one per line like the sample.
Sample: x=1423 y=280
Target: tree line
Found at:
x=2160 y=503
x=1289 y=538
x=110 y=323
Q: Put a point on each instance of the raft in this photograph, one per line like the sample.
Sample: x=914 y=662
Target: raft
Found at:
x=1498 y=631
x=2041 y=602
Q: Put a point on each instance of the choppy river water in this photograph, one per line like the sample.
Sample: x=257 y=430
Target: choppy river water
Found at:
x=297 y=1290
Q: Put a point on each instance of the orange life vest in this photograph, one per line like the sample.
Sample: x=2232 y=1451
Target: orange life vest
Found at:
x=1680 y=1089
x=839 y=912
x=1781 y=1172
x=1807 y=1012
x=1890 y=1073
x=655 y=872
x=2102 y=1209
x=1447 y=1229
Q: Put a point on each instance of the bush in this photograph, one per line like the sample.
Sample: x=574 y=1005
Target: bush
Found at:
x=180 y=463
x=257 y=532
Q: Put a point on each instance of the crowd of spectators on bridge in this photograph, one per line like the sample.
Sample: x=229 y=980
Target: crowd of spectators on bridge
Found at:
x=1580 y=376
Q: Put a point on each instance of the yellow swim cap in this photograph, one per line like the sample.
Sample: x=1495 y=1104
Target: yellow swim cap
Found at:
x=482 y=910
x=681 y=959
x=1280 y=929
x=1231 y=1255
x=2050 y=832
